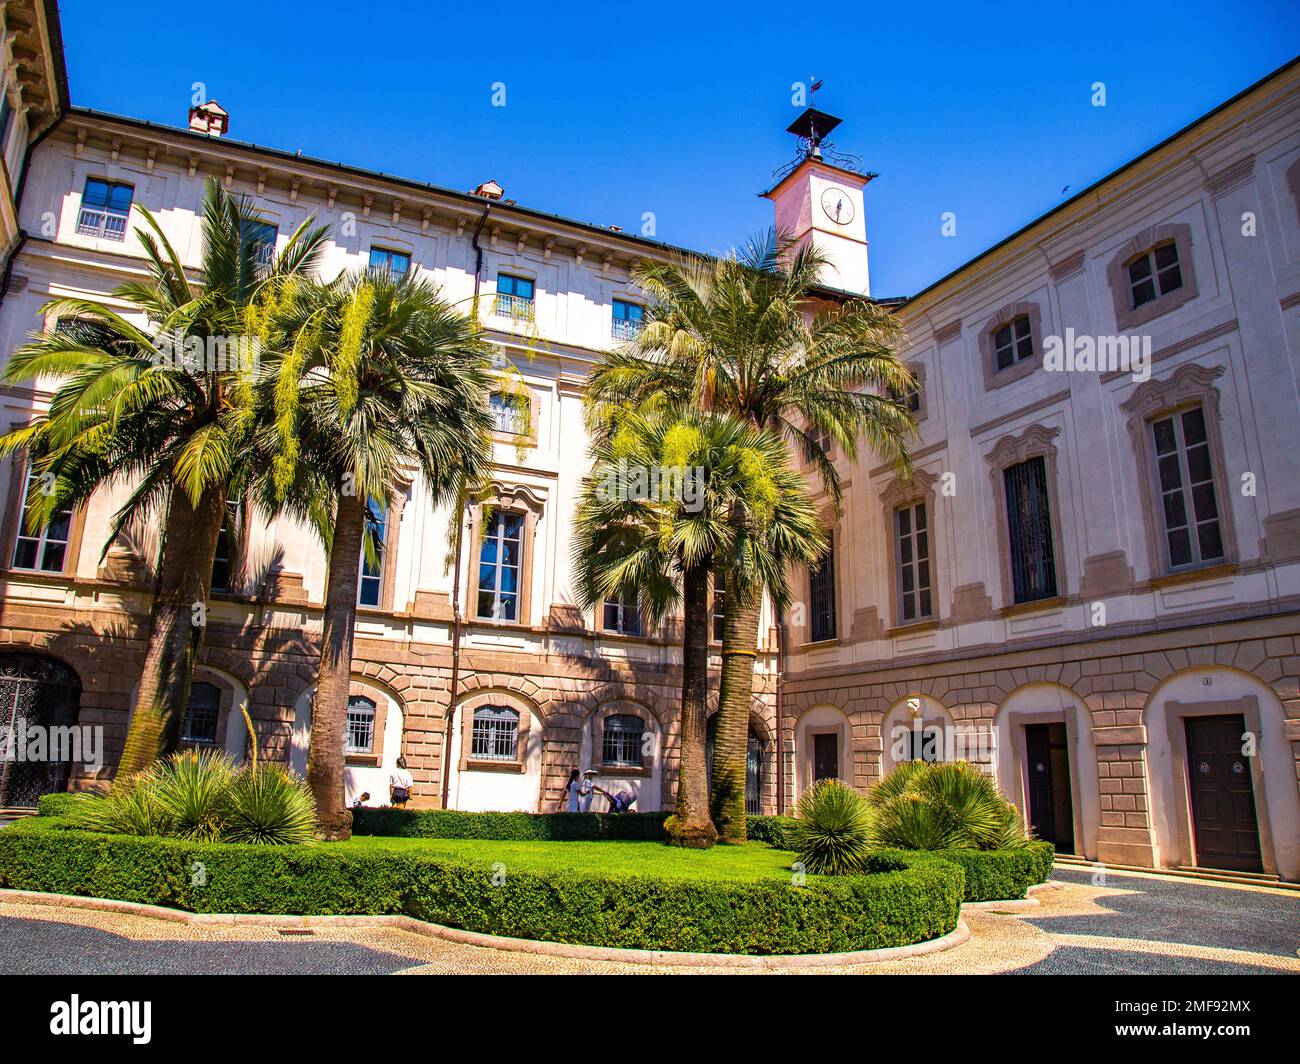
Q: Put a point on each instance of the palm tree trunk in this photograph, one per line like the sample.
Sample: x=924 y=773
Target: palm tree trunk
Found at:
x=690 y=824
x=329 y=715
x=740 y=616
x=175 y=627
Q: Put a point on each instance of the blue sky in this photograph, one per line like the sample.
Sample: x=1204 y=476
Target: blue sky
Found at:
x=613 y=109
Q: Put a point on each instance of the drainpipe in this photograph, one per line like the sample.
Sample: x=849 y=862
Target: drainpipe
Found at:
x=780 y=713
x=449 y=731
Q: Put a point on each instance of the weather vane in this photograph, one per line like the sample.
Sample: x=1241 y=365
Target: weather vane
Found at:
x=812 y=128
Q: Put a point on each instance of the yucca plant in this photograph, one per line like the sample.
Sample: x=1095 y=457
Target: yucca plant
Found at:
x=133 y=807
x=269 y=806
x=832 y=829
x=948 y=805
x=194 y=787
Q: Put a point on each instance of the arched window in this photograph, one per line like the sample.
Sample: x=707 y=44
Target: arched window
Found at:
x=361 y=725
x=622 y=740
x=496 y=734
x=201 y=715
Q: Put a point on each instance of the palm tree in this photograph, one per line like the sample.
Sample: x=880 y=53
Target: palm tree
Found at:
x=660 y=545
x=377 y=375
x=739 y=335
x=165 y=407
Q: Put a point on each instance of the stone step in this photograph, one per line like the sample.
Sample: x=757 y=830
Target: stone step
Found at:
x=1212 y=875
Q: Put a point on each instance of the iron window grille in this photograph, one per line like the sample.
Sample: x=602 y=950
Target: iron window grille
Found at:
x=200 y=725
x=622 y=743
x=1189 y=507
x=495 y=735
x=105 y=208
x=821 y=586
x=1029 y=527
x=912 y=535
x=1153 y=274
x=46 y=550
x=361 y=726
x=500 y=557
x=754 y=759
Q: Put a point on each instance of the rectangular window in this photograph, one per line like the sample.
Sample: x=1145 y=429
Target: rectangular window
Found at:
x=514 y=297
x=1014 y=342
x=44 y=551
x=6 y=119
x=1029 y=526
x=912 y=536
x=1189 y=506
x=499 y=566
x=622 y=740
x=509 y=413
x=627 y=319
x=495 y=735
x=622 y=617
x=372 y=573
x=262 y=236
x=395 y=262
x=361 y=726
x=1154 y=274
x=912 y=398
x=223 y=564
x=821 y=586
x=200 y=725
x=719 y=606
x=105 y=207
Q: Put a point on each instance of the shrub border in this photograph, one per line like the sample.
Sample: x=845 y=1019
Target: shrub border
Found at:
x=958 y=936
x=906 y=902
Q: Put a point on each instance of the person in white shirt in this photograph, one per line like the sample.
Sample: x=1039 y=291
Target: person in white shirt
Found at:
x=400 y=784
x=586 y=790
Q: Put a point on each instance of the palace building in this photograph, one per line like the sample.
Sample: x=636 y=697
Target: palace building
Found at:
x=1091 y=585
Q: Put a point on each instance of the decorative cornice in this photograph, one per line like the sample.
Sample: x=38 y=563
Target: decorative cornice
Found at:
x=1231 y=177
x=1068 y=266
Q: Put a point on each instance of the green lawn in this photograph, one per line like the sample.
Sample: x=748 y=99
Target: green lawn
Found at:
x=750 y=862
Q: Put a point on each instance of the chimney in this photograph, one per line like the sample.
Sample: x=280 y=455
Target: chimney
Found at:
x=489 y=190
x=210 y=119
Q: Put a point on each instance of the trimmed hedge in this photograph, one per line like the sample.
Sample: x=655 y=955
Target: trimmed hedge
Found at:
x=509 y=827
x=57 y=804
x=994 y=875
x=537 y=827
x=904 y=900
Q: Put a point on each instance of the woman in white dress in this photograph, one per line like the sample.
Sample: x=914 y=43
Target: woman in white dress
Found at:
x=571 y=791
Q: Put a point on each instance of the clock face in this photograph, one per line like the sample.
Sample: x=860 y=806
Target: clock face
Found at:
x=838 y=206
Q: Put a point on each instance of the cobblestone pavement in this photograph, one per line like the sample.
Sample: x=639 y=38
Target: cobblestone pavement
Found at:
x=1134 y=923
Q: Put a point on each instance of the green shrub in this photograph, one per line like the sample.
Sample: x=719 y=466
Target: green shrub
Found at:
x=58 y=804
x=832 y=829
x=514 y=827
x=990 y=875
x=943 y=806
x=202 y=796
x=904 y=899
x=777 y=831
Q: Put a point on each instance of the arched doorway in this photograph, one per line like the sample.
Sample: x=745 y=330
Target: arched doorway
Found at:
x=35 y=693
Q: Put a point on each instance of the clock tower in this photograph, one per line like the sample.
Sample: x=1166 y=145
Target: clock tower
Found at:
x=818 y=199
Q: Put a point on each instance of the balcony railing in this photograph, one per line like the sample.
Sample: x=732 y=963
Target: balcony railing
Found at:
x=104 y=224
x=516 y=308
x=264 y=254
x=625 y=329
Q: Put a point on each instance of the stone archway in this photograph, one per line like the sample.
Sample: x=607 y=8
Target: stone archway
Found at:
x=37 y=692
